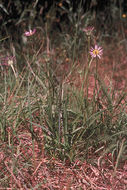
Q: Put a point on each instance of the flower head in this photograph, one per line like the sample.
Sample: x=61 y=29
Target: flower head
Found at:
x=30 y=32
x=97 y=51
x=7 y=61
x=88 y=30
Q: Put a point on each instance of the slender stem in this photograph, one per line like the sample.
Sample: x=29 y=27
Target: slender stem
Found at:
x=96 y=74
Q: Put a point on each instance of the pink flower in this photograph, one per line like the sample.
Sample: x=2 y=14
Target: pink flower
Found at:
x=30 y=32
x=88 y=30
x=97 y=51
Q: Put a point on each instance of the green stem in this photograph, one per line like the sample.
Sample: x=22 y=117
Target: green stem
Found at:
x=96 y=75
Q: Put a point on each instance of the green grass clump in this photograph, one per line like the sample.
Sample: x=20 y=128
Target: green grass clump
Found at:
x=70 y=120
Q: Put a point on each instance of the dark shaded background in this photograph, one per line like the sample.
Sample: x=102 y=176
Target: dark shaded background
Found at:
x=14 y=13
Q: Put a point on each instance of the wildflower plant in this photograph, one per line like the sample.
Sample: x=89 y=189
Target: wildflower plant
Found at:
x=96 y=52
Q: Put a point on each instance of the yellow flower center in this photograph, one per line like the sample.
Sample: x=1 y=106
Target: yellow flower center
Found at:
x=95 y=52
